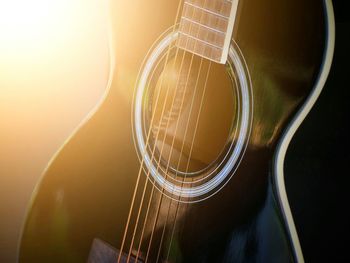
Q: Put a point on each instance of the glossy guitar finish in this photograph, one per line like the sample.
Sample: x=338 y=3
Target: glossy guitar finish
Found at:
x=86 y=191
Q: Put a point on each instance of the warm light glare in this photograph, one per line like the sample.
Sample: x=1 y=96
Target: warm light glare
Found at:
x=31 y=21
x=23 y=16
x=54 y=66
x=36 y=36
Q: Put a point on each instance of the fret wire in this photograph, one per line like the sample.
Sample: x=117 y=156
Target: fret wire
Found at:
x=212 y=33
x=207 y=10
x=202 y=25
x=214 y=5
x=200 y=40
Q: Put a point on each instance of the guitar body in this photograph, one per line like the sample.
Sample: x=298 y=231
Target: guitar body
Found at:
x=87 y=190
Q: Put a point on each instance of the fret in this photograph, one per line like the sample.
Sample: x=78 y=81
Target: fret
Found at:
x=221 y=7
x=199 y=48
x=206 y=28
x=206 y=19
x=202 y=25
x=205 y=10
x=203 y=33
x=200 y=40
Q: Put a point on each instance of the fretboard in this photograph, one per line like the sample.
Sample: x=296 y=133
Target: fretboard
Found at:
x=206 y=28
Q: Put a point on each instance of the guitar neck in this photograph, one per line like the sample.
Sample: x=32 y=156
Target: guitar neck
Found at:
x=206 y=28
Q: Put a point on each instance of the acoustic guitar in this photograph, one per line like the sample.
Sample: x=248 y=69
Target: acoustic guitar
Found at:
x=183 y=160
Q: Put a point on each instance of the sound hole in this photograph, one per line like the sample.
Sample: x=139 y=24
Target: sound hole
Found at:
x=191 y=144
x=194 y=110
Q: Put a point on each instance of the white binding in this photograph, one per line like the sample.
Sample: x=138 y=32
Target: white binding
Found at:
x=283 y=146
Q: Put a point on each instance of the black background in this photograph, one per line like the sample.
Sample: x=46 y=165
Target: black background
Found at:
x=318 y=161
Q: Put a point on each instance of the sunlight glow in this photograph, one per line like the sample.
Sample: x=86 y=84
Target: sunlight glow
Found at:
x=38 y=28
x=32 y=21
x=54 y=69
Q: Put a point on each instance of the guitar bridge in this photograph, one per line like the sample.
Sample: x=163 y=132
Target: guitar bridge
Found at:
x=102 y=252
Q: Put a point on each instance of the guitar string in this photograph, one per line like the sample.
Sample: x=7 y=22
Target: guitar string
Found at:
x=171 y=148
x=179 y=161
x=152 y=158
x=191 y=149
x=141 y=167
x=183 y=143
x=142 y=198
x=186 y=129
x=166 y=175
x=188 y=162
x=152 y=189
x=145 y=187
x=183 y=225
x=145 y=151
x=182 y=148
x=190 y=153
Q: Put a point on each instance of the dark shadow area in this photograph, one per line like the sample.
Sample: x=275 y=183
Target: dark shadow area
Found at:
x=317 y=162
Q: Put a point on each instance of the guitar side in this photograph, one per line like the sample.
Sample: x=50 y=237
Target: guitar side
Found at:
x=86 y=191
